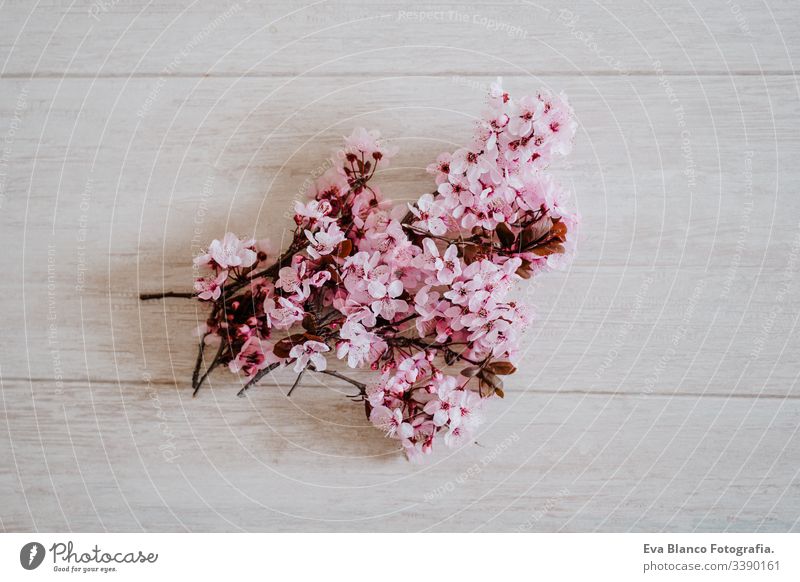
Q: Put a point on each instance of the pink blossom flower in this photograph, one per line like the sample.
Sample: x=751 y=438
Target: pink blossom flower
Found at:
x=441 y=169
x=413 y=368
x=309 y=353
x=296 y=279
x=357 y=270
x=209 y=289
x=332 y=185
x=263 y=249
x=314 y=210
x=465 y=408
x=254 y=356
x=389 y=238
x=430 y=260
x=391 y=421
x=290 y=280
x=386 y=304
x=231 y=251
x=523 y=115
x=368 y=144
x=473 y=165
x=434 y=315
x=443 y=406
x=281 y=313
x=460 y=292
x=455 y=191
x=358 y=345
x=450 y=266
x=501 y=338
x=456 y=436
x=324 y=241
x=416 y=451
x=430 y=215
x=446 y=267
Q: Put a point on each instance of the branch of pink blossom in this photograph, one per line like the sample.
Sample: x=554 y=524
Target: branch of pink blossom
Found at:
x=408 y=291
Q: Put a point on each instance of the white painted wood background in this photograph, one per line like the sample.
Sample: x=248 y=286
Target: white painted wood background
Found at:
x=659 y=390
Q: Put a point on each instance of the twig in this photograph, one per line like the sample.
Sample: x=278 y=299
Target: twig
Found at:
x=258 y=377
x=199 y=361
x=271 y=271
x=165 y=294
x=399 y=322
x=422 y=345
x=296 y=382
x=213 y=365
x=360 y=385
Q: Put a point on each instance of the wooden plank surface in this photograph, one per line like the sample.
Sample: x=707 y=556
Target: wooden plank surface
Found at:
x=135 y=456
x=659 y=389
x=233 y=38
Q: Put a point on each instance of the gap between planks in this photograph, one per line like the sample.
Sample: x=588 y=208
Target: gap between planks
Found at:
x=570 y=392
x=391 y=74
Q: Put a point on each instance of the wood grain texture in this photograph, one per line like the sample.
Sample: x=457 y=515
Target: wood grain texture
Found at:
x=134 y=456
x=659 y=388
x=234 y=38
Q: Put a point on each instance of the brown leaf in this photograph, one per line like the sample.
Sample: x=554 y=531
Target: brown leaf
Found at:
x=559 y=231
x=344 y=248
x=470 y=371
x=505 y=234
x=471 y=253
x=282 y=350
x=550 y=248
x=285 y=345
x=485 y=389
x=489 y=383
x=533 y=233
x=501 y=368
x=310 y=323
x=326 y=261
x=524 y=269
x=490 y=378
x=334 y=275
x=499 y=392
